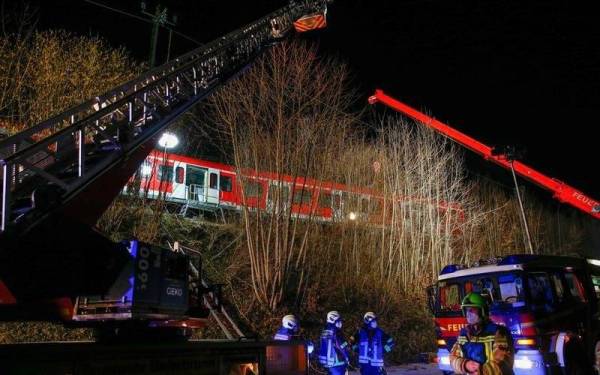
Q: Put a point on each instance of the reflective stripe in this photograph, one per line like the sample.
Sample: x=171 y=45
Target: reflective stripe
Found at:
x=371 y=351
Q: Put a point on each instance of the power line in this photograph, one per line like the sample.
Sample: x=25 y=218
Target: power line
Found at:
x=118 y=11
x=142 y=19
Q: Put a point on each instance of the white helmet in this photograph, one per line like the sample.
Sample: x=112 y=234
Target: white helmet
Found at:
x=369 y=316
x=290 y=321
x=333 y=316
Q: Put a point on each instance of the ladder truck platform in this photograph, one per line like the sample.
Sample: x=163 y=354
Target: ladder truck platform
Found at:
x=192 y=357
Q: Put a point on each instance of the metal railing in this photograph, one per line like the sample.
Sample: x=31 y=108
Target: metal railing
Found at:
x=70 y=150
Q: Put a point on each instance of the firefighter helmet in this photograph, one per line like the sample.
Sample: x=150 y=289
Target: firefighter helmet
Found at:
x=369 y=316
x=475 y=300
x=333 y=316
x=290 y=321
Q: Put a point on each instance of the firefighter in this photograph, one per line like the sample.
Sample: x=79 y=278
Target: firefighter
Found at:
x=371 y=343
x=482 y=347
x=289 y=330
x=333 y=351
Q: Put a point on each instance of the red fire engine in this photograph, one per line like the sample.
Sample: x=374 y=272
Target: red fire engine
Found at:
x=550 y=304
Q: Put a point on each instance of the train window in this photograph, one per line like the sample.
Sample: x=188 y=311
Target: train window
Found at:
x=146 y=169
x=301 y=196
x=253 y=189
x=225 y=183
x=179 y=175
x=375 y=206
x=364 y=205
x=195 y=176
x=213 y=181
x=283 y=190
x=324 y=199
x=575 y=286
x=165 y=173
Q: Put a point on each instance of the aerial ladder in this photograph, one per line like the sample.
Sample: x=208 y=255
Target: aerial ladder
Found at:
x=58 y=177
x=561 y=191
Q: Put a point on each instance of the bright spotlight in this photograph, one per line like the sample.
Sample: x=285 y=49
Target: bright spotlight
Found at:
x=168 y=140
x=352 y=216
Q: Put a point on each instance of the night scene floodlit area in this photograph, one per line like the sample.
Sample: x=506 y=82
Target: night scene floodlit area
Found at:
x=299 y=187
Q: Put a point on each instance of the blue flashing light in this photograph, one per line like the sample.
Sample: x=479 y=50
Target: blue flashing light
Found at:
x=450 y=269
x=517 y=259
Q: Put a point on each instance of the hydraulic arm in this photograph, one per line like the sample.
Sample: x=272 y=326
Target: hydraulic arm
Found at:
x=561 y=191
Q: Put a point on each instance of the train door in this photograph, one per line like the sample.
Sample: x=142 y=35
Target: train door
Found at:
x=212 y=191
x=179 y=186
x=196 y=183
x=337 y=205
x=278 y=200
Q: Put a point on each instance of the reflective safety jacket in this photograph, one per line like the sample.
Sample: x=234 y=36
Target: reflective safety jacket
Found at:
x=488 y=344
x=371 y=344
x=332 y=351
x=285 y=334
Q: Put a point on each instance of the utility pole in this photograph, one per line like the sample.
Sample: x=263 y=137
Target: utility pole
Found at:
x=159 y=18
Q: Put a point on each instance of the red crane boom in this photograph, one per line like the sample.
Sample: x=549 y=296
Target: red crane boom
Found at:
x=561 y=191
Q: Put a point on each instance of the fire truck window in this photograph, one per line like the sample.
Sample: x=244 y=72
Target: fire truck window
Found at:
x=324 y=199
x=540 y=292
x=301 y=196
x=511 y=289
x=468 y=287
x=253 y=188
x=596 y=282
x=179 y=175
x=558 y=288
x=225 y=183
x=449 y=298
x=485 y=286
x=213 y=181
x=575 y=286
x=165 y=173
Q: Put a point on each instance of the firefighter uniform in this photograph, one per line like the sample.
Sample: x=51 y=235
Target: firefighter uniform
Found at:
x=486 y=343
x=333 y=347
x=371 y=343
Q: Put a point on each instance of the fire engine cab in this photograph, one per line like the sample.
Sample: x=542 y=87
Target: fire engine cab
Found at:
x=550 y=304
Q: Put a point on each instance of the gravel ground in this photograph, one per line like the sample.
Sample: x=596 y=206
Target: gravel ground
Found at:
x=408 y=369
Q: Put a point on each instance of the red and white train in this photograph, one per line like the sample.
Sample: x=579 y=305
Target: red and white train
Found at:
x=208 y=186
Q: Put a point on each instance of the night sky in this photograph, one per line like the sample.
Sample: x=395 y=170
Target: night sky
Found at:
x=519 y=73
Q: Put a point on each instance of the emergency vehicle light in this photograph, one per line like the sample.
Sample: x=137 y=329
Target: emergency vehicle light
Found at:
x=526 y=342
x=517 y=259
x=451 y=268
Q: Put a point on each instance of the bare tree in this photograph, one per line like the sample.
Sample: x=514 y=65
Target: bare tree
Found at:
x=287 y=115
